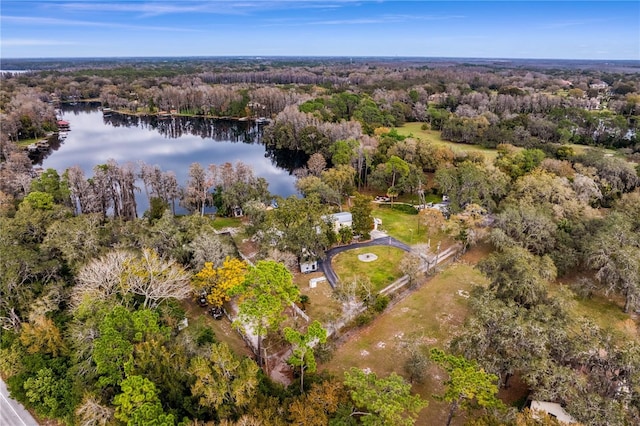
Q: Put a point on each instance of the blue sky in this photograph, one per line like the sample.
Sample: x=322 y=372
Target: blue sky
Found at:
x=499 y=29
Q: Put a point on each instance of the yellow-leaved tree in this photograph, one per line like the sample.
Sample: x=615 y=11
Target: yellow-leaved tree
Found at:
x=216 y=282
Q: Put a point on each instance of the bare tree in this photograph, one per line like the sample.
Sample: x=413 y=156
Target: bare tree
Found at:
x=121 y=273
x=101 y=279
x=81 y=191
x=15 y=170
x=209 y=247
x=410 y=265
x=92 y=413
x=316 y=164
x=197 y=189
x=156 y=279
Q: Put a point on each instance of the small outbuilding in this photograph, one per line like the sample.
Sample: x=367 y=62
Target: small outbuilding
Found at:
x=340 y=220
x=554 y=410
x=308 y=262
x=308 y=266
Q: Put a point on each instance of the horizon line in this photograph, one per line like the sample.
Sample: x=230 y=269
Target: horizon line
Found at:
x=257 y=57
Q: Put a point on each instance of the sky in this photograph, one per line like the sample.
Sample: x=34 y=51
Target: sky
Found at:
x=351 y=28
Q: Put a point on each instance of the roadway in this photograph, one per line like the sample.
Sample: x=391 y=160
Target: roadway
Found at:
x=12 y=413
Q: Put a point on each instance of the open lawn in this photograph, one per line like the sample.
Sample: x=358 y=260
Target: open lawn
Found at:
x=606 y=311
x=381 y=272
x=430 y=316
x=433 y=136
x=581 y=149
x=404 y=227
x=23 y=143
x=220 y=222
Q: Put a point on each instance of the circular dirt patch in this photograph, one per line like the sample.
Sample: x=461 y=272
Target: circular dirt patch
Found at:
x=367 y=257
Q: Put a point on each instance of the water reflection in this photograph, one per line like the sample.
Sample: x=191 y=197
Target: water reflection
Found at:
x=172 y=143
x=174 y=127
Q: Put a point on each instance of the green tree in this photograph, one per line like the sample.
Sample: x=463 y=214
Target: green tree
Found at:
x=294 y=226
x=223 y=382
x=470 y=182
x=303 y=344
x=310 y=186
x=163 y=360
x=515 y=274
x=119 y=331
x=343 y=152
x=49 y=393
x=340 y=179
x=267 y=290
x=382 y=401
x=614 y=252
x=138 y=404
x=468 y=384
x=527 y=225
x=157 y=207
x=346 y=234
x=362 y=221
x=517 y=163
x=39 y=200
x=368 y=113
x=49 y=181
x=392 y=172
x=76 y=239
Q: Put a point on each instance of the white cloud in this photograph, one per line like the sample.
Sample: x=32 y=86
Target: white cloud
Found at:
x=385 y=19
x=29 y=20
x=571 y=23
x=223 y=7
x=15 y=42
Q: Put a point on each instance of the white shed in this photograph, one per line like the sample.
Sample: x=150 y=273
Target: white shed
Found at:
x=554 y=410
x=308 y=266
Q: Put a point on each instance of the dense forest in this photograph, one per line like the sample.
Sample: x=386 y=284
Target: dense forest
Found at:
x=99 y=307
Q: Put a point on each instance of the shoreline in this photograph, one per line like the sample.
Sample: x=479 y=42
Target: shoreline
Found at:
x=166 y=114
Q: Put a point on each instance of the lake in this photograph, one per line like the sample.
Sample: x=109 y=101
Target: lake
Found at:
x=171 y=143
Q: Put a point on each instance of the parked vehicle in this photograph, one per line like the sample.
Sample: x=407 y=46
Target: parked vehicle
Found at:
x=202 y=300
x=216 y=312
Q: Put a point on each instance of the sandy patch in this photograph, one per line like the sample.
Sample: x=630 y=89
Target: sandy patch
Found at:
x=367 y=257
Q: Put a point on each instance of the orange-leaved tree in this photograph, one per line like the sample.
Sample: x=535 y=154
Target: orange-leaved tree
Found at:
x=216 y=282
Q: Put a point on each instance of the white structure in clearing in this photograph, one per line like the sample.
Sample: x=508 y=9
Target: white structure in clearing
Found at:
x=308 y=266
x=313 y=282
x=552 y=409
x=308 y=262
x=340 y=220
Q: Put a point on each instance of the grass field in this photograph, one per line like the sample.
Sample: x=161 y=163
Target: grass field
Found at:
x=226 y=222
x=26 y=142
x=433 y=136
x=382 y=271
x=404 y=227
x=581 y=149
x=606 y=311
x=430 y=316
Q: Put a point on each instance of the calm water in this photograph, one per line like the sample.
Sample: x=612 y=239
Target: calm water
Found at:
x=172 y=143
